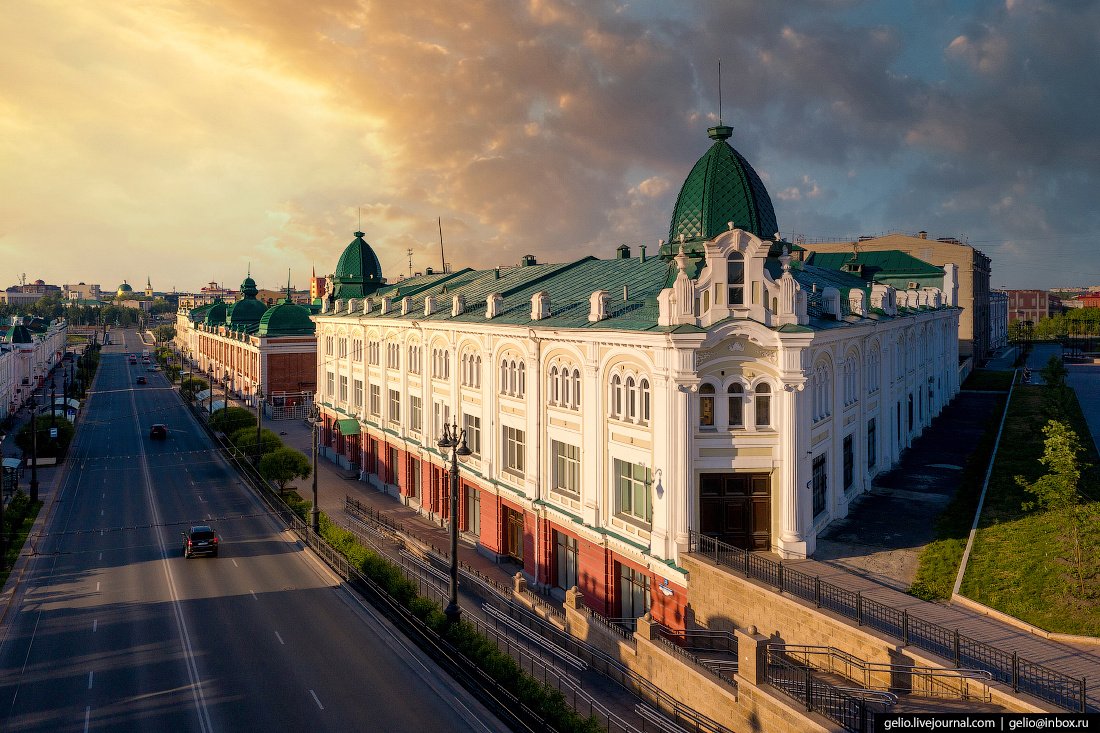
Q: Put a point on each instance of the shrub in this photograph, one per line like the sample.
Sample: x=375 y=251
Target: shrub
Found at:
x=232 y=419
x=47 y=447
x=283 y=465
x=245 y=441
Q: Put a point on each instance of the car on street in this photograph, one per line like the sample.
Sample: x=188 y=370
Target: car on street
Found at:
x=141 y=380
x=158 y=432
x=200 y=540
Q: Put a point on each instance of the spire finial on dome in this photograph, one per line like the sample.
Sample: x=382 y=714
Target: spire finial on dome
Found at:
x=288 y=284
x=720 y=132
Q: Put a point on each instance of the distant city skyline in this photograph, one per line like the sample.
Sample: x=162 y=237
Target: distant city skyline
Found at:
x=198 y=140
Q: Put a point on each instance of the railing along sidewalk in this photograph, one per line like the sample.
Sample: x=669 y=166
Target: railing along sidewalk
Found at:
x=965 y=652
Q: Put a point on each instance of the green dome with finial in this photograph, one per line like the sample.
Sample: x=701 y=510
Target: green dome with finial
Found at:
x=247 y=311
x=358 y=272
x=124 y=290
x=722 y=187
x=286 y=319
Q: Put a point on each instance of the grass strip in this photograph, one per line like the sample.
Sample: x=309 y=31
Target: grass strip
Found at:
x=1020 y=561
x=19 y=516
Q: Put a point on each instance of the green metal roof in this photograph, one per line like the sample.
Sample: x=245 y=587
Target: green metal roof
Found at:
x=721 y=187
x=358 y=271
x=286 y=319
x=215 y=314
x=871 y=264
x=247 y=311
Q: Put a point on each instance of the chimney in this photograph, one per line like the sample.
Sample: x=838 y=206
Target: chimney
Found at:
x=922 y=234
x=642 y=247
x=528 y=260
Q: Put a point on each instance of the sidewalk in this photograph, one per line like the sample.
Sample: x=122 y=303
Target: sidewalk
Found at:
x=333 y=486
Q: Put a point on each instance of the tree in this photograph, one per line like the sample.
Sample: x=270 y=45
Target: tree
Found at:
x=1055 y=372
x=192 y=385
x=232 y=419
x=165 y=332
x=245 y=440
x=1057 y=490
x=283 y=465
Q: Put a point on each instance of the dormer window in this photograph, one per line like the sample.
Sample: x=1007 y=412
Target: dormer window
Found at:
x=735 y=277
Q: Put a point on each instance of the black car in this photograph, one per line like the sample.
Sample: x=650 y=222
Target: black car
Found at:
x=141 y=380
x=201 y=540
x=158 y=432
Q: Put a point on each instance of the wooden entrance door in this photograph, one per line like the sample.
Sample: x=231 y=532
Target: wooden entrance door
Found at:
x=736 y=508
x=513 y=534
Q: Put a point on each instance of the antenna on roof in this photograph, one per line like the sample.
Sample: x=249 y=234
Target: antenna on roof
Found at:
x=442 y=254
x=288 y=284
x=409 y=252
x=360 y=218
x=719 y=91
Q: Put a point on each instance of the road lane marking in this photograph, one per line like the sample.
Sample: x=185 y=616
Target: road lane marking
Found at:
x=101 y=557
x=95 y=625
x=97 y=586
x=254 y=597
x=235 y=564
x=316 y=700
x=90 y=673
x=280 y=638
x=87 y=717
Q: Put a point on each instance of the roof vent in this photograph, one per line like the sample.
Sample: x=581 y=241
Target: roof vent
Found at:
x=458 y=305
x=864 y=237
x=622 y=252
x=598 y=305
x=922 y=234
x=429 y=305
x=429 y=271
x=540 y=305
x=642 y=248
x=527 y=261
x=385 y=308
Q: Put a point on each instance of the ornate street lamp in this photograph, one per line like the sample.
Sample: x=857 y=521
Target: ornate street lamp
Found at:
x=454 y=439
x=314 y=420
x=259 y=420
x=34 y=452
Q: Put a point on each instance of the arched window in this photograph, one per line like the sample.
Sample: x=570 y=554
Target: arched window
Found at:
x=504 y=376
x=522 y=380
x=553 y=385
x=616 y=396
x=643 y=388
x=566 y=400
x=706 y=406
x=465 y=370
x=576 y=389
x=513 y=377
x=631 y=400
x=446 y=364
x=477 y=371
x=763 y=406
x=737 y=405
x=735 y=276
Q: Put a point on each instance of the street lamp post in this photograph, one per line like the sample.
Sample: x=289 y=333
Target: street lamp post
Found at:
x=53 y=400
x=34 y=452
x=225 y=391
x=454 y=439
x=259 y=420
x=315 y=423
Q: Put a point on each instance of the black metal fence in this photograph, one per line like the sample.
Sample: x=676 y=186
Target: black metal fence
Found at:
x=1006 y=667
x=818 y=696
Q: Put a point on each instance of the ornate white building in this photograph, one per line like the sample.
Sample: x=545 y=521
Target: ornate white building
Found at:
x=618 y=408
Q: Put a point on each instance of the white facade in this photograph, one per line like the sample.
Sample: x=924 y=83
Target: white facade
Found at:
x=23 y=365
x=591 y=403
x=998 y=319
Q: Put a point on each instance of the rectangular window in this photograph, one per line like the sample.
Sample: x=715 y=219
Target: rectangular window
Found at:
x=328 y=345
x=849 y=463
x=416 y=414
x=472 y=426
x=413 y=486
x=375 y=400
x=872 y=440
x=441 y=415
x=565 y=561
x=331 y=383
x=358 y=392
x=632 y=481
x=633 y=592
x=393 y=457
x=472 y=499
x=820 y=484
x=566 y=468
x=343 y=388
x=395 y=406
x=343 y=348
x=513 y=449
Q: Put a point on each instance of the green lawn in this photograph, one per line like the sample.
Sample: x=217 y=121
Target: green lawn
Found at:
x=1020 y=563
x=988 y=379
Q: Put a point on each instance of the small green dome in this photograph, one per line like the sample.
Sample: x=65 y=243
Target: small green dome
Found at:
x=358 y=272
x=215 y=315
x=248 y=310
x=286 y=319
x=124 y=289
x=722 y=187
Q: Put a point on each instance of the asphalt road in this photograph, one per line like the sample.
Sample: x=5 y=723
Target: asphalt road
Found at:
x=114 y=630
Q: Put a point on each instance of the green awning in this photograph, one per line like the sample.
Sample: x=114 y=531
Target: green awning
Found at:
x=348 y=427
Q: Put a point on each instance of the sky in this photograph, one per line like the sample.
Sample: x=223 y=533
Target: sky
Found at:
x=189 y=140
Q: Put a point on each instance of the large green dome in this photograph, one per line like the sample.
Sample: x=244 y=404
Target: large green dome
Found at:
x=358 y=272
x=248 y=310
x=286 y=319
x=722 y=187
x=124 y=290
x=215 y=315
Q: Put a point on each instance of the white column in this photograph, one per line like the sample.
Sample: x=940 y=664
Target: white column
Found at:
x=794 y=497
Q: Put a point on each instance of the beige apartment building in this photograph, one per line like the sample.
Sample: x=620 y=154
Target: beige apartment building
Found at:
x=973 y=279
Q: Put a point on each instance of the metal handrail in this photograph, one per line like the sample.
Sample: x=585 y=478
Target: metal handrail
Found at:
x=1007 y=667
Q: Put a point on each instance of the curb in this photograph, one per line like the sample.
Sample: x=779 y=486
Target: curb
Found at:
x=1023 y=625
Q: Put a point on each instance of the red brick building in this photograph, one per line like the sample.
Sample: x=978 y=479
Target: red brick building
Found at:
x=1032 y=305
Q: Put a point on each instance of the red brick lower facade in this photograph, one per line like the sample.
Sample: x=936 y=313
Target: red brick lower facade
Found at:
x=552 y=555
